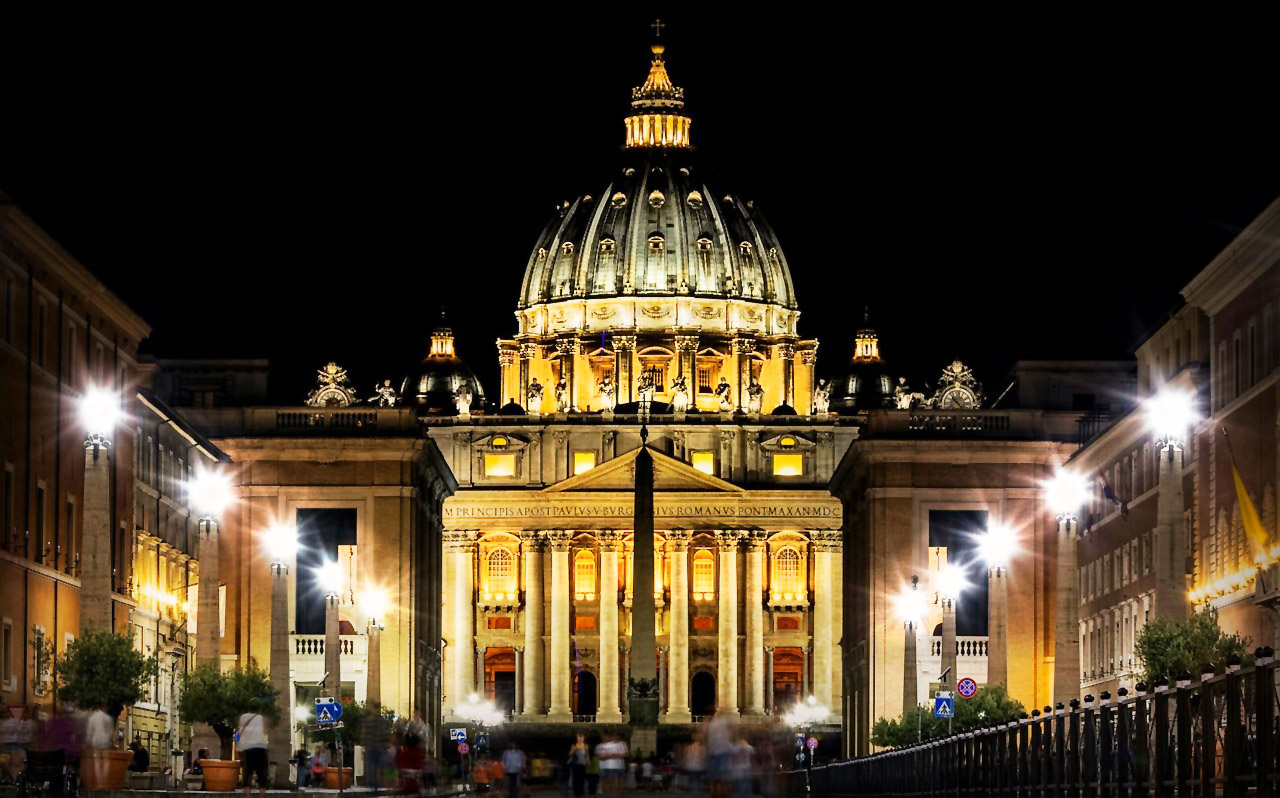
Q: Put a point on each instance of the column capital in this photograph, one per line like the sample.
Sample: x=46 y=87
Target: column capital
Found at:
x=559 y=539
x=786 y=351
x=519 y=649
x=567 y=345
x=531 y=540
x=727 y=539
x=743 y=345
x=768 y=649
x=755 y=539
x=609 y=539
x=623 y=342
x=664 y=649
x=462 y=541
x=528 y=350
x=678 y=540
x=727 y=436
x=686 y=343
x=826 y=540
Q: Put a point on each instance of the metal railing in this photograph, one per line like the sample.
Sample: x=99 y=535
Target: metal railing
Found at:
x=1217 y=736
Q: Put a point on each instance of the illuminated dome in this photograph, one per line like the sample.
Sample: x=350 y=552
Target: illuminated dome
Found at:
x=866 y=386
x=433 y=386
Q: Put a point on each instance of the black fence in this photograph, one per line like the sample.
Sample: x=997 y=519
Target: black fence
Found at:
x=1216 y=736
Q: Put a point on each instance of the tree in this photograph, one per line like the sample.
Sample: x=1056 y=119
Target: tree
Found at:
x=357 y=725
x=219 y=699
x=1168 y=648
x=102 y=669
x=990 y=705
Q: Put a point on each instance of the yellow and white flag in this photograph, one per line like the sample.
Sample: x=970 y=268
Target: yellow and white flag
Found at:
x=1253 y=528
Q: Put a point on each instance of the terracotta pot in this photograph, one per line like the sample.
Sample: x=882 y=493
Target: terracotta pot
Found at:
x=104 y=768
x=220 y=775
x=331 y=778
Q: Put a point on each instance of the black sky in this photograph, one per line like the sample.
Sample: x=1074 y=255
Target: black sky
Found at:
x=314 y=187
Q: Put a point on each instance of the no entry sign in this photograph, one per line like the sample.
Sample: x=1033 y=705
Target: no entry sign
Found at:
x=966 y=688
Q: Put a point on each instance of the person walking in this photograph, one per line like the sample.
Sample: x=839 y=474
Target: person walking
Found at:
x=253 y=751
x=613 y=764
x=578 y=754
x=513 y=762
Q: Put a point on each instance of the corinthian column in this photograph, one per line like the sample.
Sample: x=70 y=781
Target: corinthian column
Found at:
x=825 y=544
x=559 y=678
x=678 y=661
x=531 y=549
x=727 y=681
x=608 y=711
x=754 y=673
x=464 y=602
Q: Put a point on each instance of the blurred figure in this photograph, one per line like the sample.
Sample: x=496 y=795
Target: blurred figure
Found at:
x=721 y=747
x=513 y=763
x=141 y=757
x=740 y=767
x=578 y=755
x=303 y=766
x=593 y=774
x=410 y=766
x=13 y=749
x=612 y=754
x=695 y=766
x=319 y=761
x=253 y=751
x=100 y=729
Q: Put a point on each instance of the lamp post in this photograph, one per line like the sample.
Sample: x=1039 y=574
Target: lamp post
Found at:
x=209 y=493
x=1169 y=414
x=803 y=716
x=282 y=546
x=482 y=715
x=99 y=412
x=951 y=583
x=330 y=577
x=375 y=606
x=1065 y=494
x=997 y=547
x=911 y=608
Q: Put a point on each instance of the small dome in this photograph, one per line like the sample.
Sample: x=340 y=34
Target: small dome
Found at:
x=866 y=386
x=441 y=379
x=511 y=409
x=783 y=409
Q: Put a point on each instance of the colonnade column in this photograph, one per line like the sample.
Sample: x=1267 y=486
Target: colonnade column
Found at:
x=464 y=608
x=825 y=544
x=727 y=676
x=678 y=625
x=608 y=711
x=519 y=707
x=754 y=673
x=531 y=678
x=998 y=626
x=560 y=711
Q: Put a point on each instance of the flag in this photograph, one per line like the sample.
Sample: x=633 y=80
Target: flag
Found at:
x=1253 y=528
x=1110 y=494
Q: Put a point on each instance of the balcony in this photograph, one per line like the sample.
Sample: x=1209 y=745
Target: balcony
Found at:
x=307 y=661
x=971 y=662
x=985 y=424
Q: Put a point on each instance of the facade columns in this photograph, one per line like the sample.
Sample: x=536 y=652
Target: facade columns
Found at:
x=464 y=607
x=624 y=387
x=825 y=544
x=787 y=352
x=560 y=679
x=607 y=710
x=568 y=349
x=998 y=626
x=768 y=680
x=1066 y=633
x=727 y=669
x=518 y=709
x=678 y=628
x=531 y=677
x=686 y=363
x=754 y=651
x=742 y=349
x=527 y=353
x=663 y=660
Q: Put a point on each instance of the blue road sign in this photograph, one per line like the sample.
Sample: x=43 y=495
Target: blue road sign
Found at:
x=458 y=735
x=328 y=712
x=944 y=707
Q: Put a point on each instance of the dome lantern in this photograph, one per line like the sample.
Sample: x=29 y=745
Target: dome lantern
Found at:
x=657 y=121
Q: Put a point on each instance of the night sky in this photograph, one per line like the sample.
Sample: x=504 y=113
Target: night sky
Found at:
x=308 y=188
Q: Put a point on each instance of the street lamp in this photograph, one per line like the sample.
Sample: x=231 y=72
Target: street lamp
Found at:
x=374 y=603
x=99 y=412
x=1169 y=415
x=329 y=576
x=281 y=542
x=910 y=607
x=804 y=715
x=209 y=493
x=1065 y=495
x=997 y=547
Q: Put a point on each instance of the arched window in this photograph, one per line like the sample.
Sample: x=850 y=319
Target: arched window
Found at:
x=704 y=575
x=584 y=575
x=787 y=581
x=502 y=572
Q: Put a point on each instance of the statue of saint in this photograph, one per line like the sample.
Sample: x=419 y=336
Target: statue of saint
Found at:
x=562 y=396
x=605 y=387
x=462 y=399
x=755 y=396
x=822 y=397
x=645 y=387
x=384 y=395
x=534 y=396
x=723 y=394
x=902 y=395
x=679 y=395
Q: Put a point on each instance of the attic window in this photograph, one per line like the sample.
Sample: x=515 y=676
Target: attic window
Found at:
x=500 y=465
x=608 y=245
x=498 y=442
x=656 y=199
x=704 y=244
x=746 y=247
x=695 y=199
x=786 y=441
x=656 y=241
x=567 y=248
x=618 y=200
x=788 y=465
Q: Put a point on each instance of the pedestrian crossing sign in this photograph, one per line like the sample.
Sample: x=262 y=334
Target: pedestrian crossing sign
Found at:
x=944 y=707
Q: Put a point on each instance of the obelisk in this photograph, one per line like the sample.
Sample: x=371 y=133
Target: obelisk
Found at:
x=642 y=692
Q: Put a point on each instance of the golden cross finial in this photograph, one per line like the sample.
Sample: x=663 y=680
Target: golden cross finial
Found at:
x=657 y=28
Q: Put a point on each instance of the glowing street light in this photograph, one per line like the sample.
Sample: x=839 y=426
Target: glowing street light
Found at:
x=1169 y=413
x=1066 y=493
x=998 y=545
x=910 y=605
x=281 y=541
x=482 y=713
x=211 y=493
x=99 y=413
x=374 y=602
x=329 y=577
x=951 y=582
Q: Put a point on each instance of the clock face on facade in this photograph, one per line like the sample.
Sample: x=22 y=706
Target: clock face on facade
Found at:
x=959 y=398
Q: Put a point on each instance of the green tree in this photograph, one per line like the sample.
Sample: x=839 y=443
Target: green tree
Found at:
x=219 y=699
x=990 y=705
x=358 y=727
x=1168 y=648
x=102 y=669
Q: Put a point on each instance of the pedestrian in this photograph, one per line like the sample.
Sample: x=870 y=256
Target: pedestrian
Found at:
x=513 y=763
x=593 y=774
x=141 y=757
x=319 y=762
x=302 y=766
x=12 y=748
x=578 y=754
x=100 y=729
x=612 y=754
x=253 y=751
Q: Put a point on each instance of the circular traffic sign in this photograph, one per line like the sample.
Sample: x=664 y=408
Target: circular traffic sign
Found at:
x=966 y=687
x=463 y=748
x=813 y=743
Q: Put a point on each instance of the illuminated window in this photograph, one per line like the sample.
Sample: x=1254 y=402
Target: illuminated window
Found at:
x=704 y=575
x=786 y=441
x=498 y=442
x=788 y=465
x=607 y=246
x=787 y=582
x=583 y=461
x=502 y=572
x=704 y=379
x=584 y=575
x=499 y=465
x=705 y=462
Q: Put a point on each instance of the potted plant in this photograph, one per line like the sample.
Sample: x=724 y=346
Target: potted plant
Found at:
x=102 y=671
x=219 y=699
x=355 y=717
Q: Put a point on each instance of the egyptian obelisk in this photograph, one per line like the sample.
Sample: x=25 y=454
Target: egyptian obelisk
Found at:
x=642 y=693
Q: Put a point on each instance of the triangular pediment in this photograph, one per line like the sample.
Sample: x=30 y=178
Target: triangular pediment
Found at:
x=670 y=474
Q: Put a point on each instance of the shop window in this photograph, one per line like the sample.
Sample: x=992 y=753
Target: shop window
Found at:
x=499 y=465
x=704 y=575
x=584 y=575
x=705 y=462
x=583 y=461
x=788 y=465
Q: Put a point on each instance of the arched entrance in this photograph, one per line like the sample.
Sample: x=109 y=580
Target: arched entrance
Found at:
x=584 y=694
x=500 y=677
x=702 y=693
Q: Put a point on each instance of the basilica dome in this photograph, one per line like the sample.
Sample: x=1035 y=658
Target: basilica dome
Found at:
x=434 y=386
